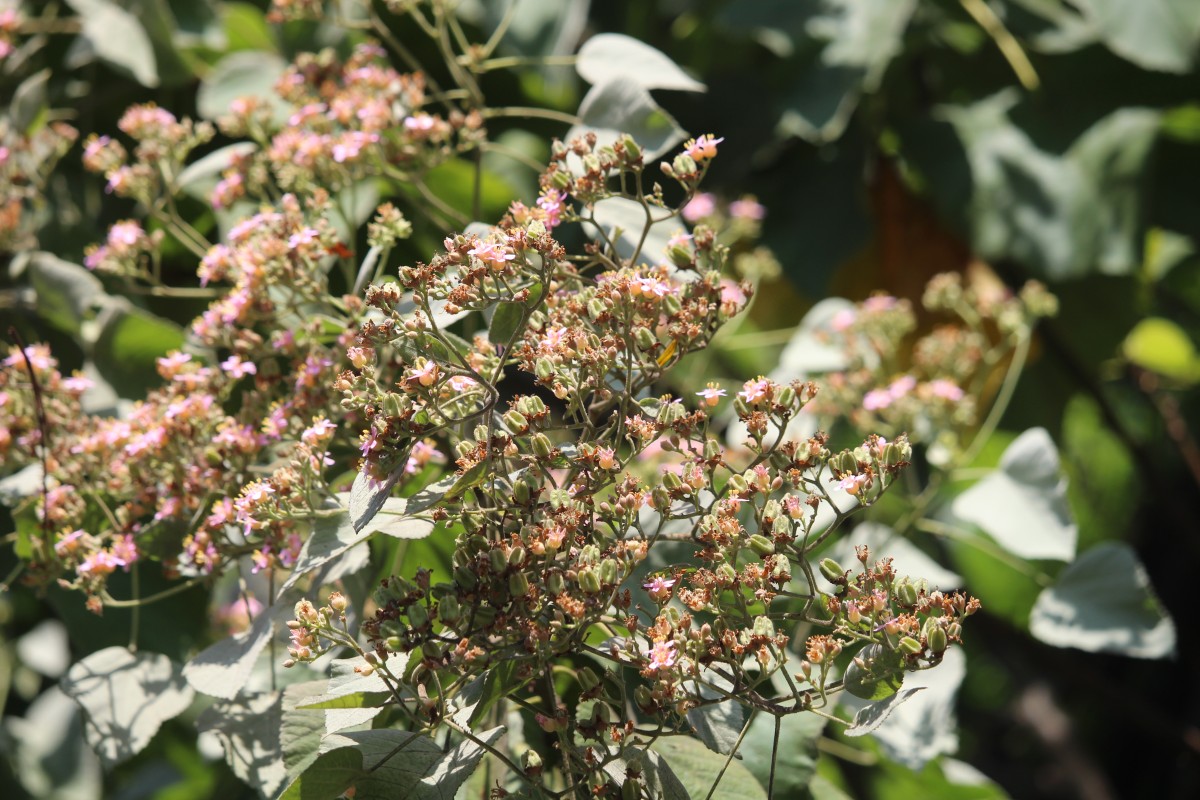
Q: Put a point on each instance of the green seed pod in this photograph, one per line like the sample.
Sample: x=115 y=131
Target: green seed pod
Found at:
x=781 y=526
x=661 y=498
x=395 y=405
x=418 y=615
x=595 y=309
x=906 y=593
x=479 y=544
x=739 y=405
x=544 y=368
x=683 y=165
x=909 y=646
x=521 y=492
x=465 y=578
x=671 y=305
x=542 y=446
x=589 y=581
x=431 y=650
x=631 y=789
x=561 y=180
x=937 y=641
x=591 y=163
x=499 y=560
x=712 y=450
x=832 y=571
x=672 y=482
x=761 y=545
x=588 y=679
x=448 y=609
x=632 y=151
x=608 y=571
x=645 y=700
x=764 y=627
x=531 y=762
x=516 y=556
x=726 y=575
x=518 y=584
x=515 y=421
x=787 y=397
x=394 y=643
x=738 y=485
x=679 y=255
x=554 y=583
x=644 y=338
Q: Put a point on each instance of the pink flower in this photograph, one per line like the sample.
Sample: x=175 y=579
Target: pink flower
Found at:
x=879 y=302
x=703 y=147
x=747 y=208
x=318 y=432
x=237 y=368
x=712 y=394
x=947 y=390
x=493 y=254
x=853 y=484
x=842 y=320
x=701 y=206
x=662 y=656
x=755 y=390
x=606 y=458
x=877 y=399
x=659 y=588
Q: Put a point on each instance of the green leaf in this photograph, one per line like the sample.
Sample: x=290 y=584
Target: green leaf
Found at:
x=1161 y=346
x=330 y=537
x=1103 y=603
x=246 y=28
x=29 y=101
x=858 y=40
x=924 y=727
x=1023 y=504
x=484 y=692
x=719 y=725
x=125 y=698
x=1160 y=35
x=505 y=321
x=389 y=763
x=300 y=729
x=47 y=752
x=656 y=775
x=248 y=730
x=222 y=669
x=697 y=768
x=199 y=178
x=623 y=221
x=129 y=342
x=623 y=106
x=248 y=73
x=118 y=38
x=796 y=759
x=66 y=292
x=1063 y=216
x=882 y=677
x=1103 y=475
x=613 y=56
x=870 y=717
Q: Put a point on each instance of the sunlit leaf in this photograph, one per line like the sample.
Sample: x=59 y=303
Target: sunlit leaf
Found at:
x=881 y=678
x=1103 y=603
x=623 y=106
x=796 y=757
x=1154 y=34
x=1023 y=505
x=118 y=38
x=697 y=768
x=870 y=717
x=222 y=669
x=611 y=56
x=248 y=73
x=125 y=698
x=248 y=730
x=1161 y=346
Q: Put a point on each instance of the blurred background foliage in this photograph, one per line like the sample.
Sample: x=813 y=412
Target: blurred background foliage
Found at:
x=890 y=140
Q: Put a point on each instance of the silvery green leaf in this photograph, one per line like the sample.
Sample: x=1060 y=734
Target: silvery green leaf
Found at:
x=871 y=716
x=248 y=73
x=248 y=730
x=125 y=698
x=45 y=649
x=609 y=56
x=1023 y=504
x=1103 y=603
x=907 y=558
x=47 y=752
x=118 y=38
x=223 y=669
x=623 y=106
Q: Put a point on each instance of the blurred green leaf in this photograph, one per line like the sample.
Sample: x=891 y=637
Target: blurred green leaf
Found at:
x=1161 y=346
x=125 y=698
x=614 y=56
x=1154 y=34
x=881 y=678
x=129 y=342
x=29 y=101
x=247 y=73
x=1103 y=603
x=246 y=28
x=47 y=750
x=1102 y=472
x=199 y=178
x=66 y=292
x=1062 y=216
x=118 y=38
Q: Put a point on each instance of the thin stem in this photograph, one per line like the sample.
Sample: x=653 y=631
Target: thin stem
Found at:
x=733 y=752
x=530 y=113
x=507 y=62
x=1009 y=47
x=113 y=602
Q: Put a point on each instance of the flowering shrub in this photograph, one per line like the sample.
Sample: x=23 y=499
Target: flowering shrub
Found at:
x=634 y=575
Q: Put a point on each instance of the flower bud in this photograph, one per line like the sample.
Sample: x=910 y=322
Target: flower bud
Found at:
x=337 y=601
x=832 y=571
x=632 y=151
